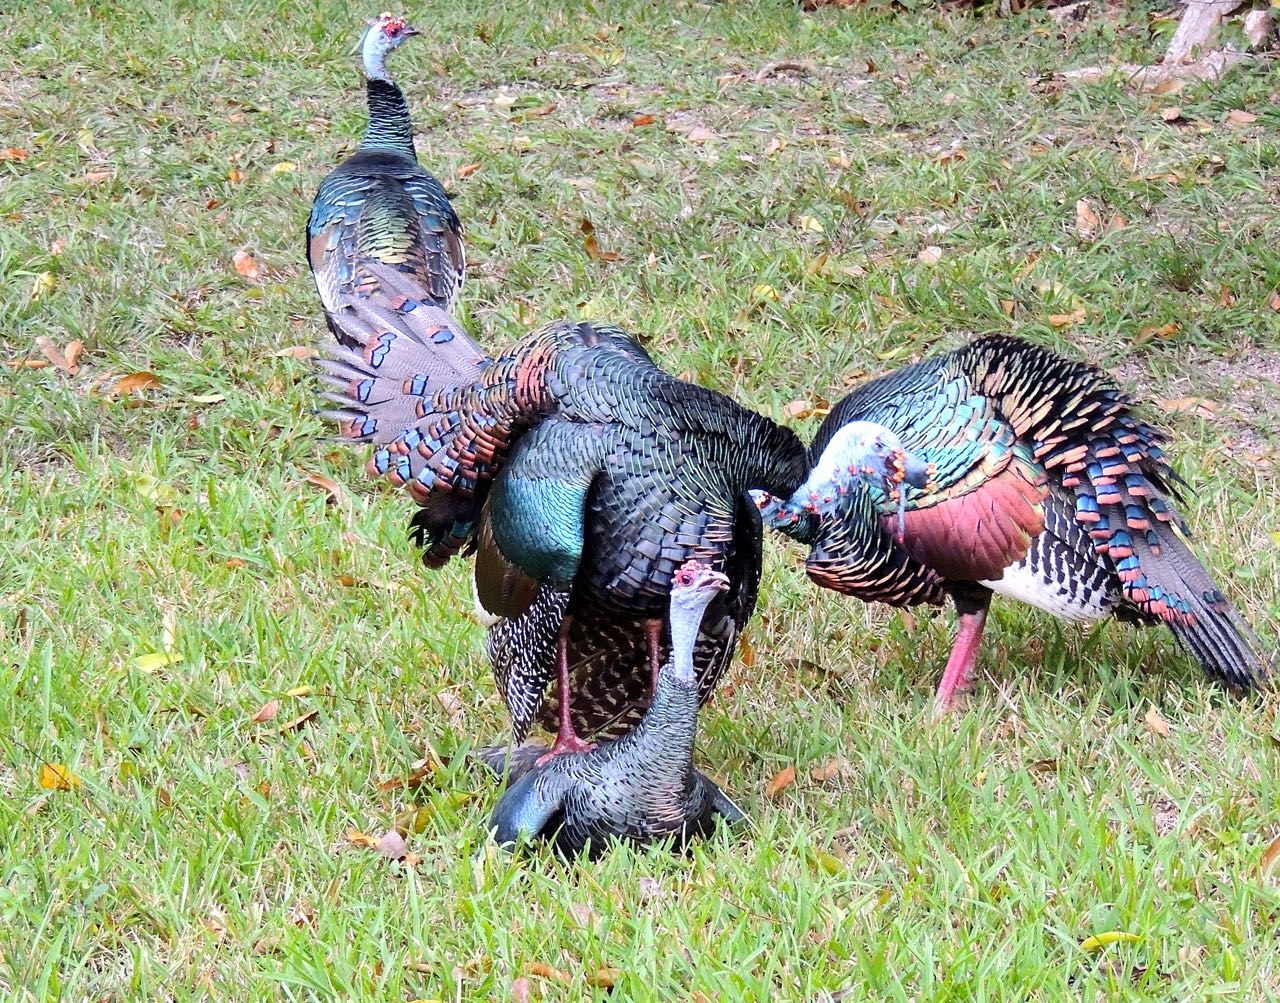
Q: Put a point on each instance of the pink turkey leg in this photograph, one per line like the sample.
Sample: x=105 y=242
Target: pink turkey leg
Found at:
x=957 y=677
x=567 y=740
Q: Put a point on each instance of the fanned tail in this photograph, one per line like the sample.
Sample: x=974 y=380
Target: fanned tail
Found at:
x=411 y=385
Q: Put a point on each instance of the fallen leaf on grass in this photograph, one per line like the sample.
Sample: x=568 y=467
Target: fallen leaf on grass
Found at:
x=541 y=970
x=466 y=170
x=1087 y=219
x=1171 y=114
x=327 y=484
x=763 y=291
x=284 y=167
x=246 y=265
x=593 y=245
x=1198 y=406
x=1239 y=117
x=780 y=781
x=56 y=777
x=810 y=224
x=415 y=778
x=295 y=352
x=57 y=356
x=604 y=978
x=699 y=135
x=1270 y=857
x=798 y=410
x=14 y=153
x=642 y=120
x=298 y=722
x=133 y=384
x=451 y=704
x=1273 y=301
x=207 y=398
x=299 y=691
x=266 y=712
x=156 y=660
x=930 y=255
x=1101 y=940
x=1156 y=722
x=829 y=770
x=1066 y=319
x=28 y=364
x=520 y=990
x=72 y=352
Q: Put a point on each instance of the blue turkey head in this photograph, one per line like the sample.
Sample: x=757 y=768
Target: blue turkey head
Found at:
x=385 y=33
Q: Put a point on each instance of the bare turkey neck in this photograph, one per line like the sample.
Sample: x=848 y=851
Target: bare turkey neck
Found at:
x=685 y=622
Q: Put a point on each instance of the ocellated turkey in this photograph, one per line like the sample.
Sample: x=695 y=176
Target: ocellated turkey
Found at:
x=582 y=476
x=643 y=786
x=379 y=205
x=1002 y=467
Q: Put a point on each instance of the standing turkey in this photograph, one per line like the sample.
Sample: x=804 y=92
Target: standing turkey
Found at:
x=643 y=786
x=582 y=476
x=381 y=206
x=1002 y=467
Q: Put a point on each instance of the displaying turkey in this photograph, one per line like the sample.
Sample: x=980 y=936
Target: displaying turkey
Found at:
x=380 y=205
x=1003 y=467
x=641 y=787
x=582 y=476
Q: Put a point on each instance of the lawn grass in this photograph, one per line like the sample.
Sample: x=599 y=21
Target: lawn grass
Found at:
x=199 y=855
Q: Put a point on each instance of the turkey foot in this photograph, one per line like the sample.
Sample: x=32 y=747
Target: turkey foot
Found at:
x=957 y=677
x=567 y=740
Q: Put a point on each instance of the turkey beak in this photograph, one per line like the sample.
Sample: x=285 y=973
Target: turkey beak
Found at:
x=917 y=472
x=717 y=580
x=410 y=31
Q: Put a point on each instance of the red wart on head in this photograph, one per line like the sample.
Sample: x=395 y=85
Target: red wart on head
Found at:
x=698 y=574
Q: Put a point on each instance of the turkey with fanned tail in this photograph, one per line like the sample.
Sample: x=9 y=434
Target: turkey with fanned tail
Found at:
x=581 y=476
x=1002 y=467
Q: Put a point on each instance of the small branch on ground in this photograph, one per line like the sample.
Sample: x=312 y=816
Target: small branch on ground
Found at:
x=778 y=66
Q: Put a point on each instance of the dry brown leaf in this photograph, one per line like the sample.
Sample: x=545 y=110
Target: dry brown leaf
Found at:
x=295 y=352
x=361 y=839
x=1171 y=114
x=699 y=135
x=1239 y=117
x=466 y=170
x=298 y=722
x=798 y=410
x=1225 y=296
x=1201 y=407
x=1066 y=319
x=780 y=781
x=642 y=120
x=327 y=484
x=1273 y=301
x=604 y=978
x=28 y=364
x=1270 y=857
x=414 y=778
x=451 y=704
x=73 y=351
x=1116 y=222
x=1156 y=722
x=541 y=970
x=1156 y=331
x=593 y=245
x=828 y=771
x=246 y=265
x=775 y=146
x=56 y=355
x=540 y=112
x=520 y=990
x=135 y=383
x=1008 y=306
x=235 y=175
x=266 y=712
x=1087 y=219
x=930 y=255
x=15 y=153
x=951 y=156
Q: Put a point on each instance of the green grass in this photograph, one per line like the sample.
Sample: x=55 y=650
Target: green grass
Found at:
x=202 y=856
